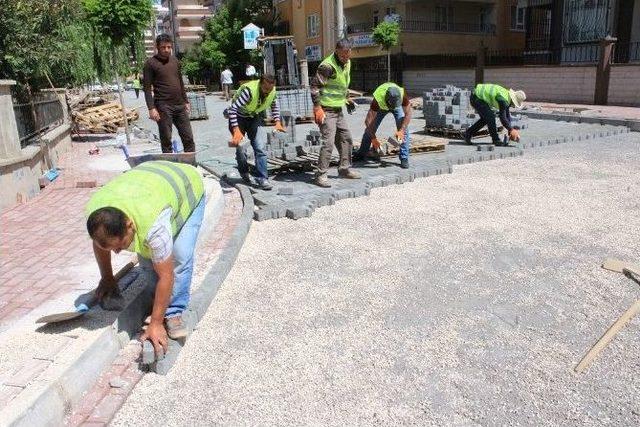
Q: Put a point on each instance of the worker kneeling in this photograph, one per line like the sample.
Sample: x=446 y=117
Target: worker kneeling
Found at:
x=485 y=99
x=245 y=117
x=387 y=98
x=156 y=210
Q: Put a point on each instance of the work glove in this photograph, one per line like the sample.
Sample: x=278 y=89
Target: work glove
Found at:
x=375 y=143
x=351 y=106
x=236 y=138
x=400 y=136
x=318 y=114
x=514 y=135
x=279 y=127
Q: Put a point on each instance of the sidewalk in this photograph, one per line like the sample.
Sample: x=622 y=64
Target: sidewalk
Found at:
x=47 y=260
x=608 y=111
x=45 y=249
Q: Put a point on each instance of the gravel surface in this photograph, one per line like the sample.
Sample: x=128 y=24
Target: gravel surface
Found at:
x=460 y=299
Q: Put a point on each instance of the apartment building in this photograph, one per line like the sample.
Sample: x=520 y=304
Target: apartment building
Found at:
x=431 y=27
x=155 y=28
x=312 y=25
x=569 y=31
x=185 y=21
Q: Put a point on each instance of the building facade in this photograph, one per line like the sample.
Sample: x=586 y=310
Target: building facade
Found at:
x=185 y=21
x=312 y=25
x=569 y=31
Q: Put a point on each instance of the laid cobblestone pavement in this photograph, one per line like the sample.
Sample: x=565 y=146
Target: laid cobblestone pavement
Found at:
x=462 y=299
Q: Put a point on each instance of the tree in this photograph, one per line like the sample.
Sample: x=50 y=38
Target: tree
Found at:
x=119 y=21
x=222 y=41
x=387 y=35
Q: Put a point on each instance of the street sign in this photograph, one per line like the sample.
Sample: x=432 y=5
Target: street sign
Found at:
x=362 y=40
x=313 y=53
x=251 y=33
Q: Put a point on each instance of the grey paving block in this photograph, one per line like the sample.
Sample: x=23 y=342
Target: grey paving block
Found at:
x=286 y=190
x=485 y=147
x=297 y=212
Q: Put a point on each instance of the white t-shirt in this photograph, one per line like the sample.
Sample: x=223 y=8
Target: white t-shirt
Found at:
x=160 y=237
x=226 y=77
x=250 y=71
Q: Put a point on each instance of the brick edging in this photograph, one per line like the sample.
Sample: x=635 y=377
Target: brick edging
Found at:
x=203 y=296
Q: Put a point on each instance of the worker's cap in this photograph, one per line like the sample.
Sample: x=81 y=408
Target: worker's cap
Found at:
x=393 y=97
x=517 y=97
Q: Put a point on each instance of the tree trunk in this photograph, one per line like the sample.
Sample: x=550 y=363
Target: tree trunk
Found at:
x=124 y=111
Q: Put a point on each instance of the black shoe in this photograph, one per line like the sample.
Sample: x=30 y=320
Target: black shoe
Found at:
x=357 y=157
x=404 y=163
x=246 y=178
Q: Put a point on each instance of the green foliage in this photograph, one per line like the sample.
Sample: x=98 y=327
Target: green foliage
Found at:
x=386 y=34
x=119 y=20
x=54 y=39
x=222 y=42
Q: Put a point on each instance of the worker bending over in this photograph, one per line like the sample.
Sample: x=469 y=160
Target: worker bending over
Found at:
x=154 y=209
x=487 y=98
x=387 y=98
x=330 y=93
x=245 y=117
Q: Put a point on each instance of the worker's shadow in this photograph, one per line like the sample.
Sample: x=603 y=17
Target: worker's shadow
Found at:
x=127 y=314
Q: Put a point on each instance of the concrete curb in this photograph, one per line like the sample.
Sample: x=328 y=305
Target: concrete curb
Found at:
x=633 y=125
x=204 y=295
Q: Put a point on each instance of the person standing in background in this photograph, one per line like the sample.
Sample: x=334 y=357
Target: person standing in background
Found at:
x=165 y=95
x=226 y=80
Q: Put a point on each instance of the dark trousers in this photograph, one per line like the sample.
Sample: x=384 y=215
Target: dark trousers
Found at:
x=174 y=115
x=487 y=118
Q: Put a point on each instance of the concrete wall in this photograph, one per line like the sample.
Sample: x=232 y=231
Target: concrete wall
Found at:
x=19 y=176
x=624 y=85
x=635 y=28
x=554 y=84
x=418 y=81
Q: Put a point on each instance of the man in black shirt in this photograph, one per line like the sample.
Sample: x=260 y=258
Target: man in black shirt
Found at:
x=165 y=96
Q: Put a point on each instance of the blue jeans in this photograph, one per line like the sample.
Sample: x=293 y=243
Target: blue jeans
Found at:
x=183 y=248
x=252 y=127
x=398 y=115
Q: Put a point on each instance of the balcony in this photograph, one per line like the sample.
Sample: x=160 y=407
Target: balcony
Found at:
x=410 y=26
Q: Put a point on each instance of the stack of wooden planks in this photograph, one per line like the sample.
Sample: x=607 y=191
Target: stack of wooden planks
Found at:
x=106 y=118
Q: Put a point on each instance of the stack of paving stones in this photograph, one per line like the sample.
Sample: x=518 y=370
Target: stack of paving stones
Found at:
x=449 y=109
x=297 y=101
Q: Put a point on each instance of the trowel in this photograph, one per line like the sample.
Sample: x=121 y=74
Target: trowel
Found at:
x=82 y=307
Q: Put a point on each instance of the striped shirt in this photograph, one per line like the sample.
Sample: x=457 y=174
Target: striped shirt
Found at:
x=242 y=101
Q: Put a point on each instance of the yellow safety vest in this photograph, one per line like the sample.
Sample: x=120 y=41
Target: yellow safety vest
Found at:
x=143 y=192
x=335 y=92
x=489 y=93
x=255 y=106
x=380 y=94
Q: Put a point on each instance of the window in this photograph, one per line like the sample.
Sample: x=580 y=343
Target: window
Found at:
x=444 y=17
x=586 y=20
x=376 y=18
x=517 y=18
x=313 y=26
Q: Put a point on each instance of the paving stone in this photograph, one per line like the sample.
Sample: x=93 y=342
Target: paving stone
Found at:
x=27 y=373
x=7 y=393
x=50 y=351
x=285 y=190
x=486 y=147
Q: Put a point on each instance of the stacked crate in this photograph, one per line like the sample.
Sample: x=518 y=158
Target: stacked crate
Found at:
x=198 y=106
x=298 y=101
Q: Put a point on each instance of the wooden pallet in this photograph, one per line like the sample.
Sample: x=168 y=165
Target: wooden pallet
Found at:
x=455 y=133
x=106 y=118
x=303 y=163
x=420 y=143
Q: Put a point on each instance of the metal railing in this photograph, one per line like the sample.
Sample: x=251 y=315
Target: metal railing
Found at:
x=413 y=26
x=624 y=53
x=36 y=114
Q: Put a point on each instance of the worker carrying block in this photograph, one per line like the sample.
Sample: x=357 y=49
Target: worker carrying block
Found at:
x=487 y=98
x=156 y=210
x=250 y=100
x=387 y=98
